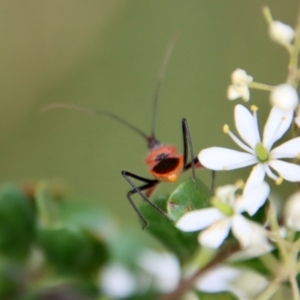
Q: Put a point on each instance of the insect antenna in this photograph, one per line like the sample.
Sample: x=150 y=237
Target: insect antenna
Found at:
x=96 y=112
x=161 y=76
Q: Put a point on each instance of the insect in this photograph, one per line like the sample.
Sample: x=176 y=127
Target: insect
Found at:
x=164 y=162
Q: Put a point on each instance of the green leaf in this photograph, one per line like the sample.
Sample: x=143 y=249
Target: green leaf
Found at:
x=216 y=296
x=10 y=275
x=75 y=211
x=72 y=249
x=61 y=288
x=17 y=222
x=188 y=196
x=182 y=244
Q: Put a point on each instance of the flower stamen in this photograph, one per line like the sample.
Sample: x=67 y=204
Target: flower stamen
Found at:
x=254 y=108
x=225 y=128
x=224 y=208
x=237 y=141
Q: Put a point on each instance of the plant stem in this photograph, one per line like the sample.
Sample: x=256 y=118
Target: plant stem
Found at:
x=261 y=86
x=295 y=288
x=269 y=290
x=267 y=14
x=293 y=76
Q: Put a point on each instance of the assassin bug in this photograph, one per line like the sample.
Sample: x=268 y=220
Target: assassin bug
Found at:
x=164 y=162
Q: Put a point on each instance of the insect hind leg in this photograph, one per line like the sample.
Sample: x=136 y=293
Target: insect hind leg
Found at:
x=149 y=184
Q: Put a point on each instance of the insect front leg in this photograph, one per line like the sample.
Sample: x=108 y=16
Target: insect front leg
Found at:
x=149 y=184
x=187 y=143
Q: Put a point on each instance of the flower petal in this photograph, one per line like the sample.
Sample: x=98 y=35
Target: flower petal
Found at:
x=198 y=219
x=278 y=123
x=242 y=230
x=217 y=279
x=214 y=236
x=253 y=199
x=232 y=93
x=117 y=281
x=240 y=77
x=270 y=173
x=253 y=251
x=244 y=92
x=226 y=193
x=217 y=158
x=246 y=125
x=164 y=268
x=256 y=177
x=288 y=149
x=288 y=171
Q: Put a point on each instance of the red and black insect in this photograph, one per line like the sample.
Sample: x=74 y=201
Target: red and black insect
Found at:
x=165 y=163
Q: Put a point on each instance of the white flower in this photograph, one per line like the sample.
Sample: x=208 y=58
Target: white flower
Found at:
x=292 y=211
x=285 y=97
x=226 y=215
x=259 y=245
x=257 y=152
x=281 y=33
x=243 y=283
x=117 y=281
x=240 y=85
x=164 y=268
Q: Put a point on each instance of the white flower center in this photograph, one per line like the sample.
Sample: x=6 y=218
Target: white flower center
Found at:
x=261 y=153
x=224 y=208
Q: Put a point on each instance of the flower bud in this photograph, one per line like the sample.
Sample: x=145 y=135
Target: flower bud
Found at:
x=292 y=211
x=281 y=33
x=240 y=77
x=285 y=97
x=240 y=85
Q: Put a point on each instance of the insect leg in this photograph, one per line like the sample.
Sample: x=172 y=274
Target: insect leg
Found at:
x=149 y=183
x=187 y=143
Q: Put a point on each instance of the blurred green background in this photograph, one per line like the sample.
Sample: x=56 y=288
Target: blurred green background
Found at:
x=106 y=55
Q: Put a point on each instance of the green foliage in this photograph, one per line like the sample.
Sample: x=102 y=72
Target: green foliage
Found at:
x=9 y=281
x=182 y=244
x=72 y=250
x=188 y=196
x=216 y=296
x=63 y=289
x=17 y=222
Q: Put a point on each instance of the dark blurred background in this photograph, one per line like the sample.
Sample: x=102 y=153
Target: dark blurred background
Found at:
x=106 y=55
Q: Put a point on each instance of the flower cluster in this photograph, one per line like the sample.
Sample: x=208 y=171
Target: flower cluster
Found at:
x=237 y=212
x=257 y=151
x=226 y=214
